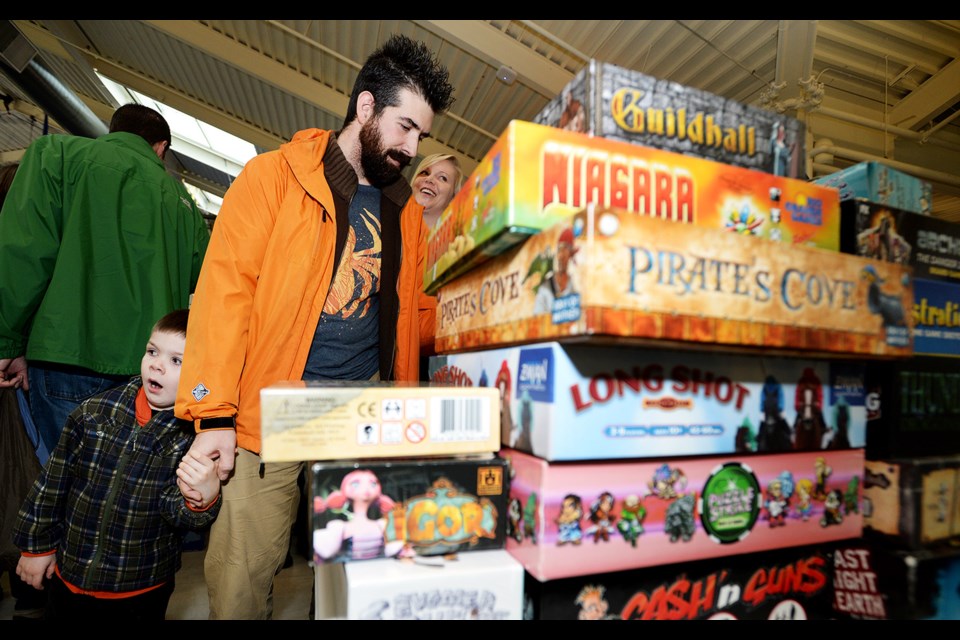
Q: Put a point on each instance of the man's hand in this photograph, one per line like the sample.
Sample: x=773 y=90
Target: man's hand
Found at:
x=200 y=475
x=33 y=569
x=13 y=373
x=220 y=445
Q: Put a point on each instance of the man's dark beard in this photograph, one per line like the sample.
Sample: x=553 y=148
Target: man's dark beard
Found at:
x=373 y=158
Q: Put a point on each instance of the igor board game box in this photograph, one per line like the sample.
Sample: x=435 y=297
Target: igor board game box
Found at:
x=534 y=176
x=913 y=407
x=786 y=584
x=612 y=273
x=592 y=402
x=482 y=585
x=407 y=507
x=326 y=420
x=877 y=182
x=621 y=104
x=569 y=519
x=913 y=502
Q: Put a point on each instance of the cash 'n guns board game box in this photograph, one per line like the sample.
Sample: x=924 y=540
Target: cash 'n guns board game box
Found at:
x=612 y=273
x=622 y=104
x=534 y=176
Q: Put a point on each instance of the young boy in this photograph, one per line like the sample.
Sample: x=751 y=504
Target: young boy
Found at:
x=104 y=522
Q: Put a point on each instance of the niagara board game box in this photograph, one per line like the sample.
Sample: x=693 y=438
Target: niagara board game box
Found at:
x=534 y=176
x=581 y=401
x=622 y=104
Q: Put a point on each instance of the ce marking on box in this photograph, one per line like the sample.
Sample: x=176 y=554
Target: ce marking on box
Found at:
x=367 y=409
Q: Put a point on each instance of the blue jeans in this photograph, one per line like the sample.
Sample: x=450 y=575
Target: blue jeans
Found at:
x=56 y=390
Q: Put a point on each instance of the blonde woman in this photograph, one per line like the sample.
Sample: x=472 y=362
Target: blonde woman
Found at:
x=436 y=180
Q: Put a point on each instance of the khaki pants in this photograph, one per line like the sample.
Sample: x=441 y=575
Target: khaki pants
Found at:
x=249 y=539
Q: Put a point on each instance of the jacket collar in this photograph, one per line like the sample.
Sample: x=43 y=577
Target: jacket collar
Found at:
x=133 y=142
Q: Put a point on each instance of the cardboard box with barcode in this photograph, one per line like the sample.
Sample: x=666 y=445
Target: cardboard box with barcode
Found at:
x=331 y=420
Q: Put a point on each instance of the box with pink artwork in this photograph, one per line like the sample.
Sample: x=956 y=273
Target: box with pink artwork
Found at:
x=609 y=273
x=570 y=519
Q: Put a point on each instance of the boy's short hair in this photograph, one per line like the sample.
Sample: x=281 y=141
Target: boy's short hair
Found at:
x=173 y=322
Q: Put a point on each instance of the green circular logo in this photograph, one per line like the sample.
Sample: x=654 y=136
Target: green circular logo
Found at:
x=729 y=504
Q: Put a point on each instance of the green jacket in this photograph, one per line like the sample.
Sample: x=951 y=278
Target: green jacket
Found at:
x=97 y=243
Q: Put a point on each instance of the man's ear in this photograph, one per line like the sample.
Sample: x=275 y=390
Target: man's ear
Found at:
x=365 y=106
x=160 y=148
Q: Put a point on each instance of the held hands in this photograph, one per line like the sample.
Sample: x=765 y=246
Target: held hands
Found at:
x=13 y=373
x=197 y=478
x=33 y=569
x=220 y=445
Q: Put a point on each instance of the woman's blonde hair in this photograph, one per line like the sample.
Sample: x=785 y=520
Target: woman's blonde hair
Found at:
x=433 y=159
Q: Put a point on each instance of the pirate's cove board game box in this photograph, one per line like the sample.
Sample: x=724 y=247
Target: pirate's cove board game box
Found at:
x=482 y=585
x=534 y=176
x=343 y=420
x=786 y=584
x=403 y=508
x=569 y=519
x=621 y=104
x=913 y=502
x=582 y=401
x=611 y=273
x=876 y=182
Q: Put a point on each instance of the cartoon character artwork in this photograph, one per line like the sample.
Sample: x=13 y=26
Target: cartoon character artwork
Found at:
x=679 y=522
x=559 y=281
x=514 y=520
x=357 y=530
x=523 y=433
x=851 y=497
x=882 y=242
x=632 y=514
x=780 y=151
x=809 y=427
x=888 y=306
x=774 y=431
x=503 y=383
x=822 y=472
x=804 y=498
x=602 y=517
x=838 y=438
x=667 y=483
x=568 y=522
x=832 y=509
x=779 y=492
x=593 y=605
x=745 y=440
x=530 y=517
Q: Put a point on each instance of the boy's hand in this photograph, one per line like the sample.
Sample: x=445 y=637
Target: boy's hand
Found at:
x=220 y=445
x=200 y=475
x=33 y=569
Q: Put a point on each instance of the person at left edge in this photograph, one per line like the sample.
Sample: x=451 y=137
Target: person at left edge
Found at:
x=97 y=241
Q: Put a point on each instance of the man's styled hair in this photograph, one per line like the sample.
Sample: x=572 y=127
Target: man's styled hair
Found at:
x=143 y=121
x=401 y=63
x=174 y=322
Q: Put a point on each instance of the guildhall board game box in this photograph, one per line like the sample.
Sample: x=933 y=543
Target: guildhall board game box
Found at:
x=913 y=407
x=341 y=420
x=621 y=104
x=610 y=273
x=786 y=584
x=534 y=176
x=912 y=502
x=876 y=182
x=581 y=402
x=569 y=519
x=363 y=510
x=481 y=585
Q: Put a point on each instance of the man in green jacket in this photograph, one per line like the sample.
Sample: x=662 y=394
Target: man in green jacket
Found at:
x=97 y=241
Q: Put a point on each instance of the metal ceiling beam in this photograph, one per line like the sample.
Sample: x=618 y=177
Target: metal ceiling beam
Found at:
x=940 y=91
x=266 y=70
x=492 y=45
x=795 y=42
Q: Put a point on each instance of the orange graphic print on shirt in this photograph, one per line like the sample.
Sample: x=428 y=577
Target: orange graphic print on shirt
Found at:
x=358 y=276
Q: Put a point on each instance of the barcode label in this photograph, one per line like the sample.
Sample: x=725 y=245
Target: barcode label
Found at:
x=460 y=419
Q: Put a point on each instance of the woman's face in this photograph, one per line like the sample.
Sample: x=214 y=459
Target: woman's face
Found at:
x=433 y=187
